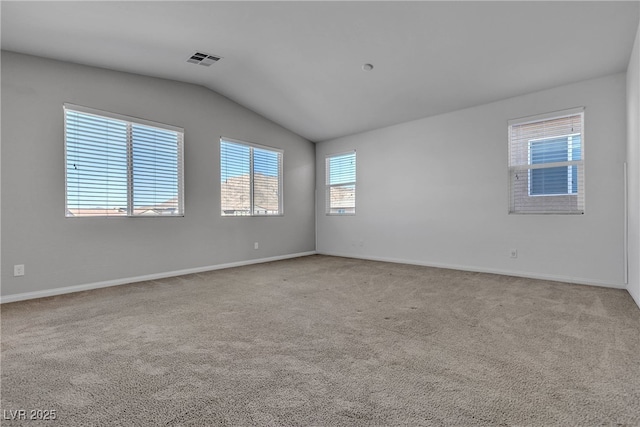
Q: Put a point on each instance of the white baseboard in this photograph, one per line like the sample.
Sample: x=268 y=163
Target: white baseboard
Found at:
x=551 y=277
x=127 y=280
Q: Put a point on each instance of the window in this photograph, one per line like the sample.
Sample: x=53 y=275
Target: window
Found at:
x=341 y=184
x=250 y=179
x=121 y=166
x=554 y=180
x=546 y=163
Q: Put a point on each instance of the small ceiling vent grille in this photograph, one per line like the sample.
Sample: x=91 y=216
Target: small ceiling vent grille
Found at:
x=203 y=59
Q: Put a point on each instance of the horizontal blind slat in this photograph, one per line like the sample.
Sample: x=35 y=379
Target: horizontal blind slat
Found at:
x=246 y=172
x=341 y=183
x=97 y=151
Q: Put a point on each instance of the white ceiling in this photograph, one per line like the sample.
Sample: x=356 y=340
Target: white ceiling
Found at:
x=299 y=63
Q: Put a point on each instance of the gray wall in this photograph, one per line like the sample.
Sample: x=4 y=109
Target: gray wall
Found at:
x=60 y=252
x=633 y=160
x=431 y=191
x=435 y=191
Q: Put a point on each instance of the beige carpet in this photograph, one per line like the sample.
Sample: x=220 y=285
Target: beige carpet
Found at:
x=326 y=341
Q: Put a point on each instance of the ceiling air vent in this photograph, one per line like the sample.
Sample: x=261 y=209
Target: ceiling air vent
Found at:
x=203 y=59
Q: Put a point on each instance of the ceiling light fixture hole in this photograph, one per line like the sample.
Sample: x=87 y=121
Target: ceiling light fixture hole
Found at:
x=367 y=67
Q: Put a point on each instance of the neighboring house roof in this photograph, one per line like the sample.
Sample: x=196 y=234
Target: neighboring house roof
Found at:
x=235 y=193
x=164 y=207
x=95 y=212
x=342 y=197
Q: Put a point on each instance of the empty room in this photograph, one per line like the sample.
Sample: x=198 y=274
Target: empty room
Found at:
x=301 y=213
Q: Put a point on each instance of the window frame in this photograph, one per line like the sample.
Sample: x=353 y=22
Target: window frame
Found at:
x=328 y=185
x=579 y=196
x=252 y=146
x=129 y=121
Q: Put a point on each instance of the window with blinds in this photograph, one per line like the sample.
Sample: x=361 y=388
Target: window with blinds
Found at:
x=341 y=184
x=121 y=166
x=250 y=179
x=546 y=165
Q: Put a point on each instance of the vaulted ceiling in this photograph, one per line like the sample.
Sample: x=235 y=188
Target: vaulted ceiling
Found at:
x=300 y=63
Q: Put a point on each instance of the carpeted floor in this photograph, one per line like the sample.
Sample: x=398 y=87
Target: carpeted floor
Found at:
x=326 y=341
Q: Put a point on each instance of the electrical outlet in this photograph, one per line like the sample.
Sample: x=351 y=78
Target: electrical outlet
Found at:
x=513 y=253
x=18 y=270
x=255 y=245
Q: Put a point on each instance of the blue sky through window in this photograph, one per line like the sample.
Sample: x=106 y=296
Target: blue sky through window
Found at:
x=234 y=160
x=155 y=155
x=265 y=162
x=555 y=180
x=97 y=165
x=342 y=169
x=96 y=162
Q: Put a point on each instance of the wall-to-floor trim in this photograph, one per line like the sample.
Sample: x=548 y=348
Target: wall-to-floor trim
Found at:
x=551 y=277
x=128 y=280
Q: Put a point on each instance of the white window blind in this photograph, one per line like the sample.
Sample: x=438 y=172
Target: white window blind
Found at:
x=341 y=184
x=250 y=179
x=546 y=163
x=121 y=166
